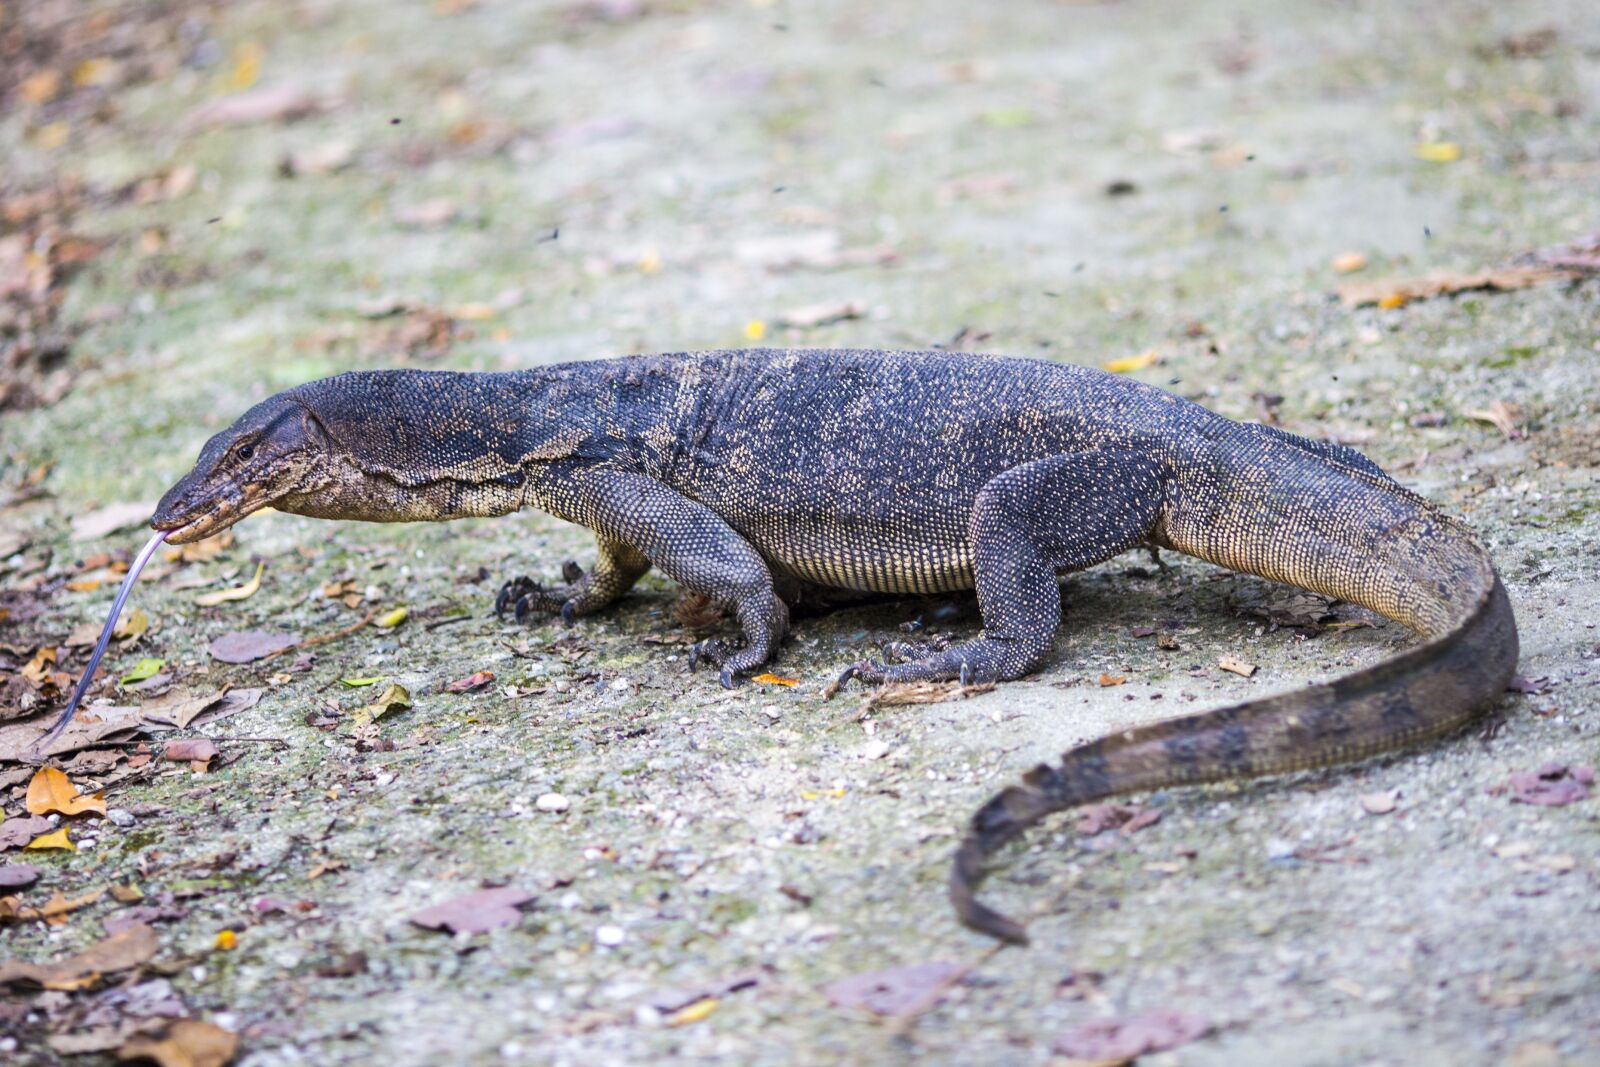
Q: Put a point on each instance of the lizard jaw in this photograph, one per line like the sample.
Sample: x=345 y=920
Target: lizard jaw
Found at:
x=222 y=514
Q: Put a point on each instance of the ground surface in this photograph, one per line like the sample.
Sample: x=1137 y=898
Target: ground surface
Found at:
x=704 y=170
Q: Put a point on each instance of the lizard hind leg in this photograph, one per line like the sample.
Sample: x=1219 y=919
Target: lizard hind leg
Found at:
x=1028 y=524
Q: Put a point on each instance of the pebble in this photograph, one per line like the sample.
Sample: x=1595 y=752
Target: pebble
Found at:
x=610 y=936
x=552 y=802
x=121 y=816
x=772 y=711
x=874 y=749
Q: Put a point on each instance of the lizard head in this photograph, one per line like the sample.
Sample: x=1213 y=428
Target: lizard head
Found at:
x=275 y=450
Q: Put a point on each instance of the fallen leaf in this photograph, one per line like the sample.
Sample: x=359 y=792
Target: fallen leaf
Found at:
x=318 y=160
x=198 y=752
x=118 y=952
x=18 y=875
x=110 y=519
x=182 y=709
x=776 y=679
x=227 y=940
x=183 y=1043
x=1348 y=262
x=897 y=694
x=1237 y=666
x=1380 y=803
x=1133 y=363
x=1437 y=151
x=394 y=698
x=238 y=592
x=1397 y=292
x=148 y=667
x=1108 y=680
x=1554 y=785
x=57 y=841
x=131 y=627
x=474 y=913
x=696 y=1012
x=476 y=680
x=95 y=724
x=390 y=619
x=246 y=646
x=357 y=682
x=1123 y=1039
x=143 y=915
x=893 y=991
x=270 y=104
x=51 y=790
x=814 y=315
x=15 y=833
x=1502 y=416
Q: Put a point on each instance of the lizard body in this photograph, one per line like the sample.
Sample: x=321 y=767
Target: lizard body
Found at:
x=758 y=477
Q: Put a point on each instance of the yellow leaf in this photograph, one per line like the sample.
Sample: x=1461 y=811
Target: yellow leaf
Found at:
x=695 y=1012
x=390 y=619
x=239 y=592
x=1392 y=301
x=1130 y=363
x=227 y=940
x=246 y=66
x=54 y=839
x=755 y=330
x=1438 y=151
x=133 y=626
x=51 y=790
x=776 y=679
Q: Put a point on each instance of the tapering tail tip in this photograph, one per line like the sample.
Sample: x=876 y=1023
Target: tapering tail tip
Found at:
x=1005 y=816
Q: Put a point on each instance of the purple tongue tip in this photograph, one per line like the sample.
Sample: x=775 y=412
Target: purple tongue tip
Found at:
x=99 y=652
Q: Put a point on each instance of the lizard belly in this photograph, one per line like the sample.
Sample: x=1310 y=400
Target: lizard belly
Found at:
x=898 y=568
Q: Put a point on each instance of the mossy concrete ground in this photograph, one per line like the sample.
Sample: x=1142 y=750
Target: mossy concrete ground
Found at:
x=661 y=143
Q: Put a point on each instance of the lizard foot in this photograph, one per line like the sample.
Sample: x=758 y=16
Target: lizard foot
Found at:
x=733 y=658
x=526 y=597
x=943 y=667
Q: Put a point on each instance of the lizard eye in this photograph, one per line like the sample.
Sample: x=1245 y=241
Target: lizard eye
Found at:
x=246 y=451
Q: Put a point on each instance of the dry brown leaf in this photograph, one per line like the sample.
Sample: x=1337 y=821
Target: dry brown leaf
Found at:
x=1108 y=680
x=120 y=951
x=246 y=646
x=51 y=790
x=475 y=913
x=894 y=991
x=1501 y=416
x=197 y=751
x=15 y=832
x=110 y=519
x=183 y=1043
x=1237 y=666
x=272 y=104
x=95 y=724
x=1397 y=292
x=475 y=680
x=900 y=693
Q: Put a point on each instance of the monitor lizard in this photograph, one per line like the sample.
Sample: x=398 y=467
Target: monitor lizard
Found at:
x=759 y=477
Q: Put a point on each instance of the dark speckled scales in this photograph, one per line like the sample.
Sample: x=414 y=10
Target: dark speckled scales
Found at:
x=743 y=474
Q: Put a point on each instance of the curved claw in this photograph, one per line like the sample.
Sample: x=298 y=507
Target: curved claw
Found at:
x=966 y=674
x=571 y=573
x=700 y=650
x=502 y=600
x=852 y=671
x=726 y=678
x=569 y=612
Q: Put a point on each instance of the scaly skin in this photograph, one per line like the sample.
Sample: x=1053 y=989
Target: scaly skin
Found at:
x=768 y=477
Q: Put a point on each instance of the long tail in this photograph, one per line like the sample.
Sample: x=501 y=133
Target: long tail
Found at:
x=1401 y=558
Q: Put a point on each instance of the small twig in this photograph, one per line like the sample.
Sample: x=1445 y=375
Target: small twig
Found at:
x=451 y=621
x=321 y=639
x=280 y=742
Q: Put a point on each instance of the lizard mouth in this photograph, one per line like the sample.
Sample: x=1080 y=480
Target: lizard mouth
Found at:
x=220 y=515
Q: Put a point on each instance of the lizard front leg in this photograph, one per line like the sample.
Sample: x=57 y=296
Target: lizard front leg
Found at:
x=617 y=567
x=1028 y=525
x=692 y=545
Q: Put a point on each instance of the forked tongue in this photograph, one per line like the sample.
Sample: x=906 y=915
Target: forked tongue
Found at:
x=105 y=640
